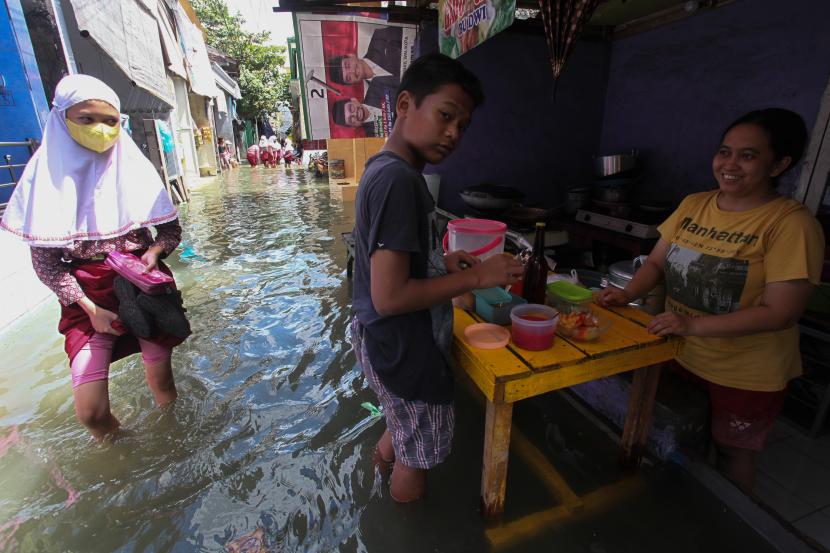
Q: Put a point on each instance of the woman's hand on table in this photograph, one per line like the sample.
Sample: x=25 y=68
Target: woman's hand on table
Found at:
x=459 y=260
x=668 y=323
x=612 y=296
x=100 y=318
x=151 y=258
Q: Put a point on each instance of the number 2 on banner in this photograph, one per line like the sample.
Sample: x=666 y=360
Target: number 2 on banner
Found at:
x=317 y=92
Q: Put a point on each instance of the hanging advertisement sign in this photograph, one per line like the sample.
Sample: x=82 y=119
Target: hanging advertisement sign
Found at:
x=464 y=24
x=350 y=72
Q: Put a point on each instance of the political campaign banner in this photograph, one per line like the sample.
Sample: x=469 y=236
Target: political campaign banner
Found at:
x=351 y=69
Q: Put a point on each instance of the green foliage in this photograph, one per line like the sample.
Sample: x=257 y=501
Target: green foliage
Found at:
x=263 y=77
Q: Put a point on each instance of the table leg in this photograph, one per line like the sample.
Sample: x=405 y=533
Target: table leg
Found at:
x=496 y=449
x=638 y=418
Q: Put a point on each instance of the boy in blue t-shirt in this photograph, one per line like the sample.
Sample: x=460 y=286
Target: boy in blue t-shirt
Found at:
x=402 y=284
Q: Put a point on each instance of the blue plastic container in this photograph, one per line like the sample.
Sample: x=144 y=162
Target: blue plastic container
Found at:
x=497 y=313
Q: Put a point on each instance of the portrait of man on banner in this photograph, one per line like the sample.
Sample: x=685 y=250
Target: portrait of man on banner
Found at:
x=353 y=66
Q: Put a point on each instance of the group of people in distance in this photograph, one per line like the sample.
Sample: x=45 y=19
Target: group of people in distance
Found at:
x=380 y=69
x=270 y=151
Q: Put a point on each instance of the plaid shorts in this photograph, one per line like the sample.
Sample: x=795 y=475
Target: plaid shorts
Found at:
x=421 y=432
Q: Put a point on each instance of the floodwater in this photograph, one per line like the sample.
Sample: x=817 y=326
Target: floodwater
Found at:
x=269 y=433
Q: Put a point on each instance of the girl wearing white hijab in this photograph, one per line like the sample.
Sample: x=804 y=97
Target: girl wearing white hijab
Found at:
x=274 y=149
x=88 y=191
x=288 y=152
x=264 y=153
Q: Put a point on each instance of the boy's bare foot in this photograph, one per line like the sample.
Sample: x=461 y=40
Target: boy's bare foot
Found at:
x=383 y=465
x=408 y=484
x=384 y=455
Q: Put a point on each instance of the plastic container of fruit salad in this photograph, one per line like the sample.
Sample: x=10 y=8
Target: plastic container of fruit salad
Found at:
x=582 y=326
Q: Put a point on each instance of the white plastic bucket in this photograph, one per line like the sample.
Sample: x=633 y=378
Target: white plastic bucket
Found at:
x=482 y=238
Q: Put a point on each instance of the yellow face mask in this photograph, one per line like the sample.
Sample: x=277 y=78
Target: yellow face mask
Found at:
x=98 y=137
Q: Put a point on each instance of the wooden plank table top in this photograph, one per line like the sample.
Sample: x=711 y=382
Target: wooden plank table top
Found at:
x=509 y=374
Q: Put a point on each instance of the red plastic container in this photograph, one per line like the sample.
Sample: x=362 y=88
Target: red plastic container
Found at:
x=534 y=326
x=130 y=267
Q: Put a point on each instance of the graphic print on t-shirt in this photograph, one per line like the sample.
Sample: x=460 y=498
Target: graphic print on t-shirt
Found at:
x=705 y=282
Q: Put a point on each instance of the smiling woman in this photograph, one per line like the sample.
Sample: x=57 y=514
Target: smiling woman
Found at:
x=755 y=150
x=739 y=264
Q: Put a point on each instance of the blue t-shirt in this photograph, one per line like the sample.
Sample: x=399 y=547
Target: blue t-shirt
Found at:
x=394 y=211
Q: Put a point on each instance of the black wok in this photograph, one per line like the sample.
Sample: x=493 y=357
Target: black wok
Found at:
x=490 y=197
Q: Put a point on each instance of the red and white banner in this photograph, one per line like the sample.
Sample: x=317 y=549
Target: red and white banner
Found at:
x=351 y=70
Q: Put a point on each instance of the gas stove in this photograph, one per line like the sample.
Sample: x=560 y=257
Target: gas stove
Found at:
x=624 y=226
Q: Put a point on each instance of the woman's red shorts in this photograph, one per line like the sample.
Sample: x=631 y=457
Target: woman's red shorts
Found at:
x=740 y=418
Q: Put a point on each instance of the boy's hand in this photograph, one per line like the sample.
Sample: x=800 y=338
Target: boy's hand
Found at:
x=498 y=270
x=459 y=260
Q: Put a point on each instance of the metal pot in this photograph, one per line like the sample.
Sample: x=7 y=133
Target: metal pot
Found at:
x=489 y=197
x=614 y=209
x=613 y=164
x=622 y=272
x=615 y=194
x=528 y=215
x=577 y=198
x=652 y=213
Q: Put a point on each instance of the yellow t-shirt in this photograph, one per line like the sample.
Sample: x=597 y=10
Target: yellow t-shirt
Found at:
x=719 y=262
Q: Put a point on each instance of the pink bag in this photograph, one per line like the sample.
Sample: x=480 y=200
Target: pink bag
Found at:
x=130 y=267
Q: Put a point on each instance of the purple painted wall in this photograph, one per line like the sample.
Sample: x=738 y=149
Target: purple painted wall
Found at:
x=671 y=91
x=521 y=137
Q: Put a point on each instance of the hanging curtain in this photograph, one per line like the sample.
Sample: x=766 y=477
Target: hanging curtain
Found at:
x=564 y=20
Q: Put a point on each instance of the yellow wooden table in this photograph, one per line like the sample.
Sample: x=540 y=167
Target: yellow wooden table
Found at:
x=507 y=375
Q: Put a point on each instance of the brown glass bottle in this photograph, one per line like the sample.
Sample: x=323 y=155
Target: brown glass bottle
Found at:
x=536 y=270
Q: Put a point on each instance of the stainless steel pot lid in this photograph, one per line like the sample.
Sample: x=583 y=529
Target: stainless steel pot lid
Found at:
x=623 y=271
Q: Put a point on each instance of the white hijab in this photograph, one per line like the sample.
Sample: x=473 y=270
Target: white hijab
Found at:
x=68 y=192
x=263 y=142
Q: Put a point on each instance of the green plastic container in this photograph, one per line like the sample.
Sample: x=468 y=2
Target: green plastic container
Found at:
x=568 y=297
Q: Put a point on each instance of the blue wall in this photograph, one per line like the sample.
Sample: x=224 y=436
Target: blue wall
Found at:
x=23 y=109
x=671 y=91
x=522 y=136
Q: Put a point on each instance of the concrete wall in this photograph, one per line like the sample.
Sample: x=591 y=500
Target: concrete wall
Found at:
x=522 y=136
x=673 y=90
